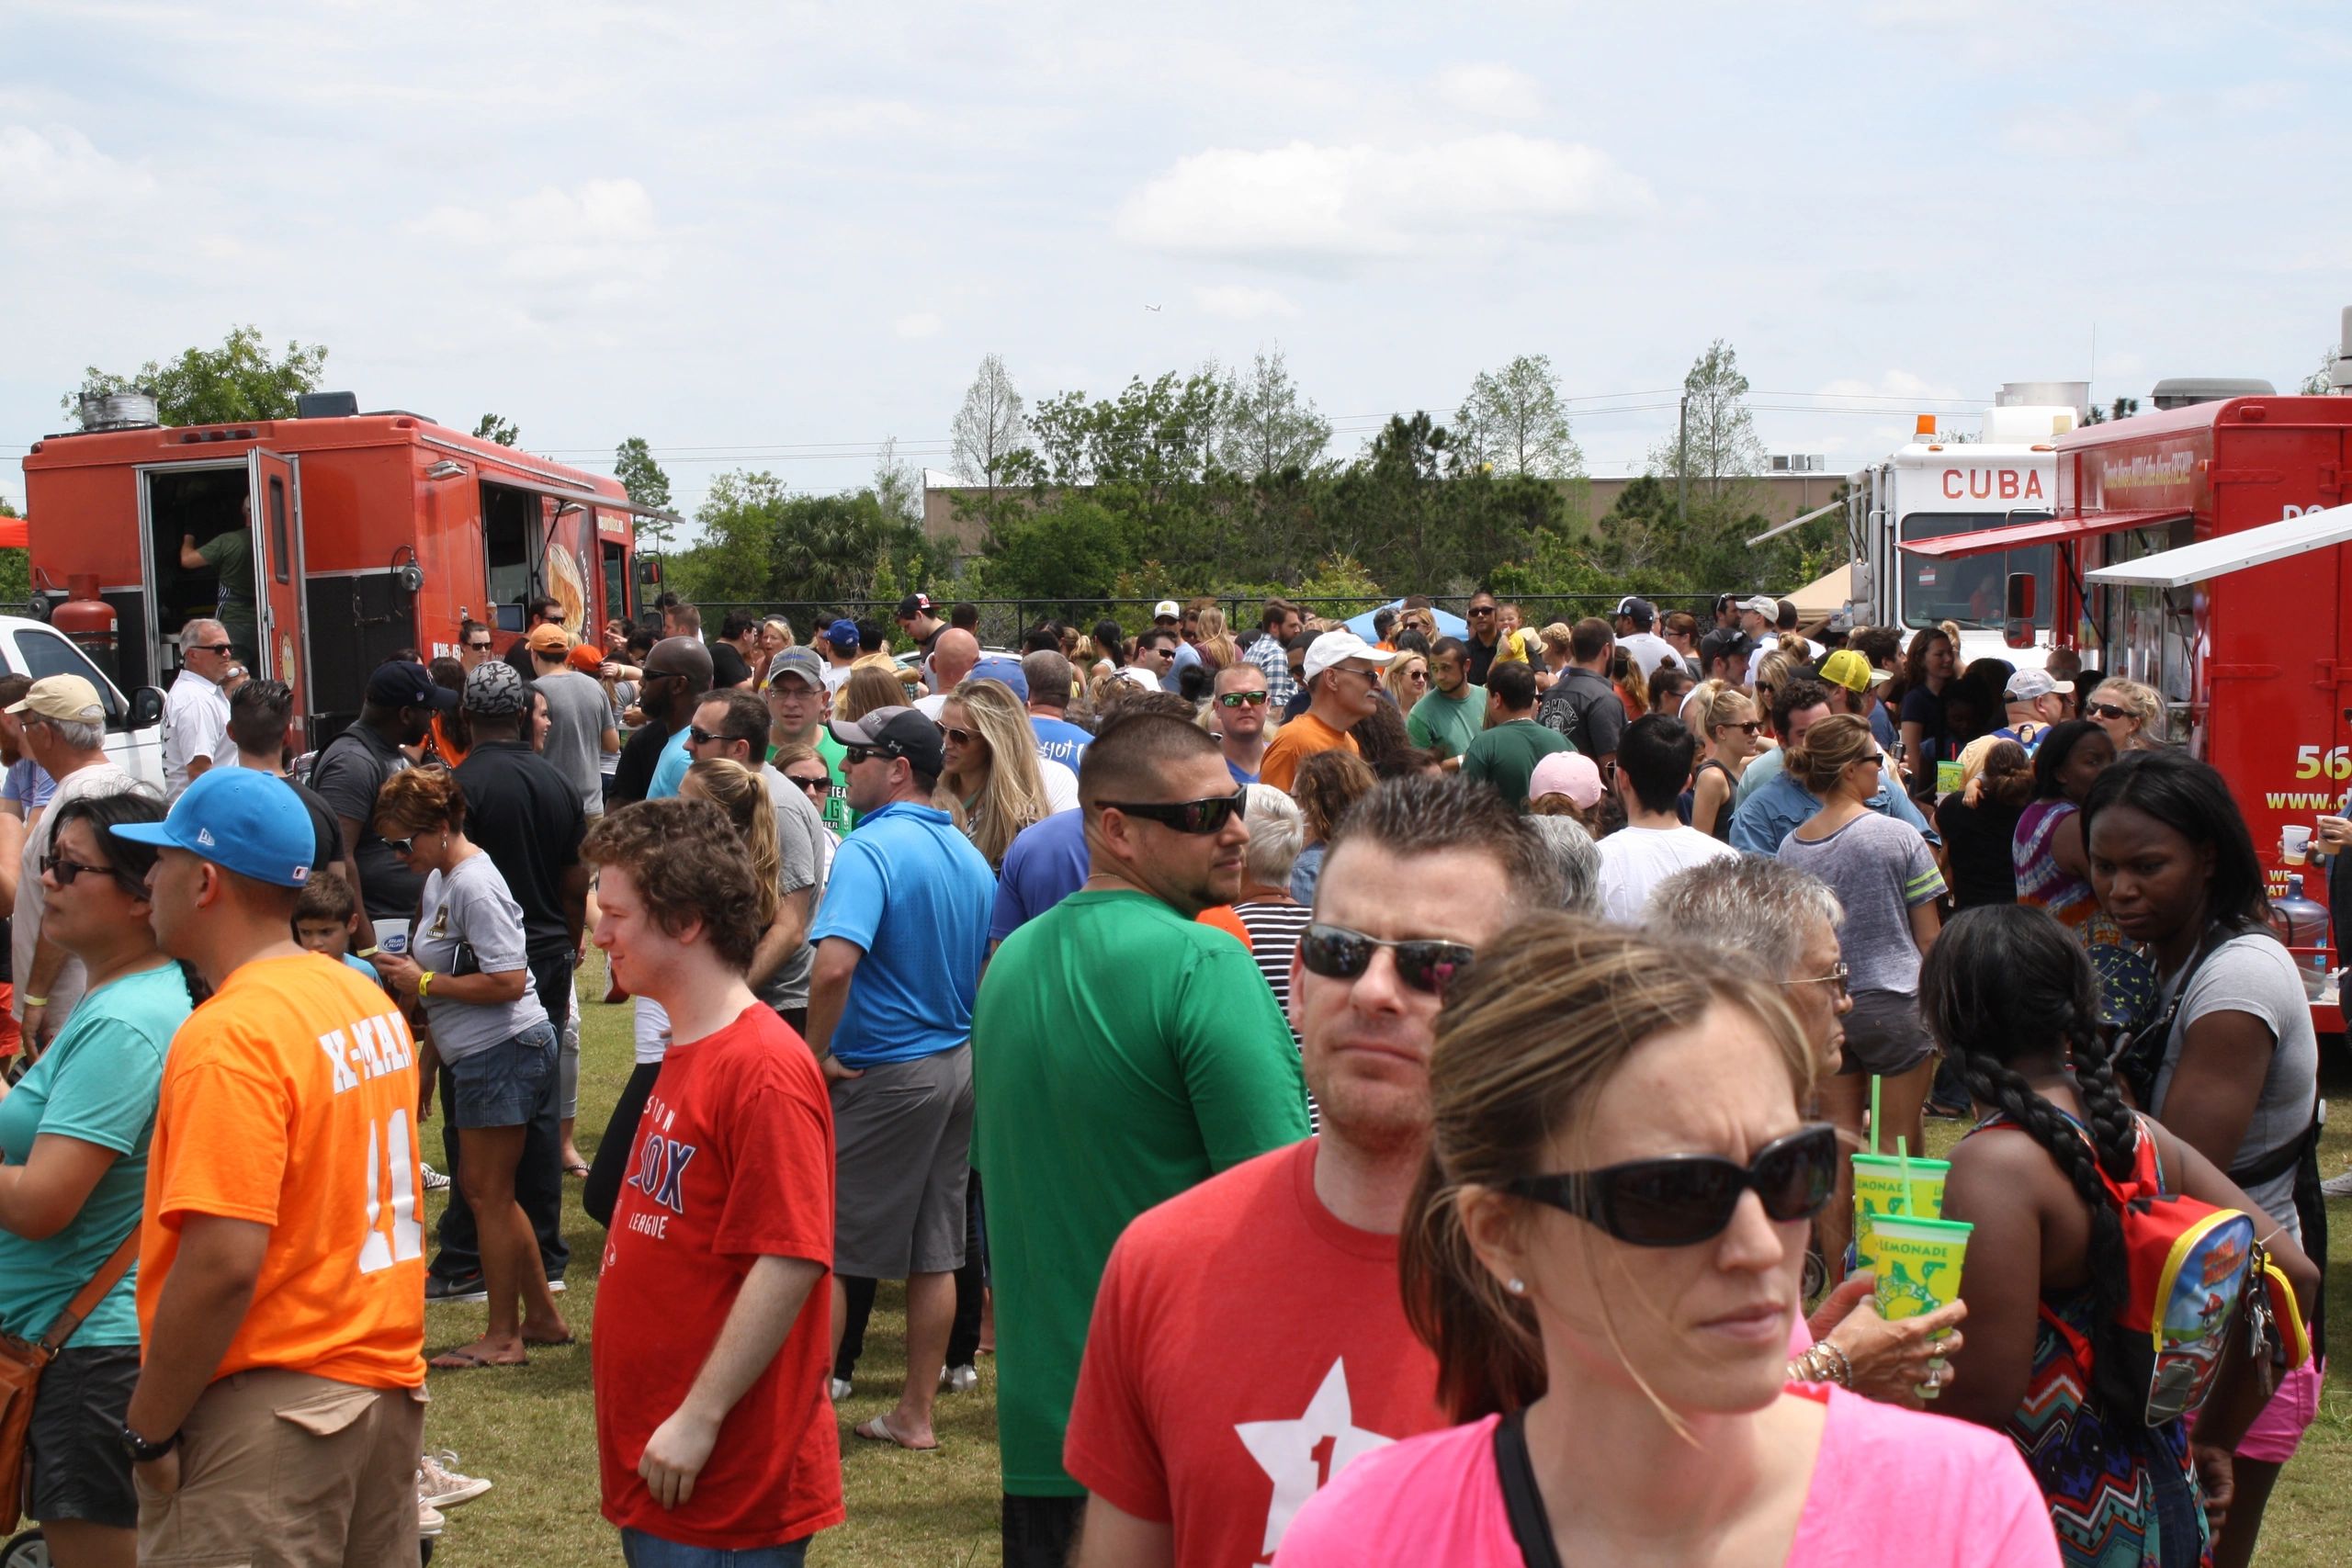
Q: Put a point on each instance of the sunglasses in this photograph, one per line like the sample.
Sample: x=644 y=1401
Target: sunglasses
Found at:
x=2107 y=710
x=400 y=847
x=478 y=646
x=1338 y=954
x=1192 y=816
x=1482 y=609
x=852 y=755
x=1683 y=1199
x=817 y=786
x=63 y=871
x=1418 y=677
x=1238 y=699
x=698 y=737
x=961 y=737
x=1746 y=725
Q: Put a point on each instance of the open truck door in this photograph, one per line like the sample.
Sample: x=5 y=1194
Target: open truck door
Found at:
x=278 y=572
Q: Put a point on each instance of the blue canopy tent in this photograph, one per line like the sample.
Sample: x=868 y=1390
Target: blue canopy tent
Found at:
x=1448 y=622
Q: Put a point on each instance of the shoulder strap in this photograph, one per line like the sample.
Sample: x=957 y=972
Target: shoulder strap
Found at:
x=1522 y=1503
x=85 y=1300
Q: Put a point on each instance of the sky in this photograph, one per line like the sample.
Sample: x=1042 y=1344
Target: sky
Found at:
x=774 y=235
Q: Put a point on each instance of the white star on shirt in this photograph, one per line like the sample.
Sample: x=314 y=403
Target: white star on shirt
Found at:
x=1303 y=1455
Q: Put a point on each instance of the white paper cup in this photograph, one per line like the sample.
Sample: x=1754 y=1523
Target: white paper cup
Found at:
x=2294 y=844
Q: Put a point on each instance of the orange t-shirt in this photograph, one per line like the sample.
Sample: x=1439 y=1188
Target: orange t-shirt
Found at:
x=1298 y=740
x=290 y=1099
x=1222 y=917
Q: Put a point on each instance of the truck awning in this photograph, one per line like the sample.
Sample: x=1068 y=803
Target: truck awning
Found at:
x=2209 y=559
x=2052 y=530
x=515 y=474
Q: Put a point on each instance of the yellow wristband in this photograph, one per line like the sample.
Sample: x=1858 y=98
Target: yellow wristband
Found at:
x=32 y=1001
x=424 y=983
x=368 y=952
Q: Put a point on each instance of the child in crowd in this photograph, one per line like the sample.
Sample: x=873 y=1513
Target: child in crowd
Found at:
x=325 y=916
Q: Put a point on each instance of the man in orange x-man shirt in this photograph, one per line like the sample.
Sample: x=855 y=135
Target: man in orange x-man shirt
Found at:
x=280 y=1404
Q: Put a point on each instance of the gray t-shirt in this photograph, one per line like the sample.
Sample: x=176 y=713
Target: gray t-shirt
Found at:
x=577 y=718
x=471 y=905
x=1881 y=870
x=2253 y=974
x=803 y=849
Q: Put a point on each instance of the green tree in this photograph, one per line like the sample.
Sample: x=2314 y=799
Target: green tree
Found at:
x=230 y=385
x=647 y=485
x=16 y=571
x=497 y=428
x=760 y=544
x=1713 y=446
x=1071 y=554
x=2321 y=382
x=897 y=486
x=990 y=426
x=1268 y=426
x=1514 y=422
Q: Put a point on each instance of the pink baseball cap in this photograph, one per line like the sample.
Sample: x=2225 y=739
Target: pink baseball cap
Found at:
x=1571 y=773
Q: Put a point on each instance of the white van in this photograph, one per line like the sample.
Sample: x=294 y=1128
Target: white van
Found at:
x=134 y=723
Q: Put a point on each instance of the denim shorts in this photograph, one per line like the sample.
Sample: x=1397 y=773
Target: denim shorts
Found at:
x=640 y=1550
x=503 y=1085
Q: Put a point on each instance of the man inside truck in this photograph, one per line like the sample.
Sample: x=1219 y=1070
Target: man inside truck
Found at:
x=231 y=553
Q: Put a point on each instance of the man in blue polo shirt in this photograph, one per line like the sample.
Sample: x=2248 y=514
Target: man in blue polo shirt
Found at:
x=900 y=939
x=1763 y=818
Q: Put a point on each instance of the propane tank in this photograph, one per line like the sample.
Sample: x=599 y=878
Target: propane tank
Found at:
x=86 y=618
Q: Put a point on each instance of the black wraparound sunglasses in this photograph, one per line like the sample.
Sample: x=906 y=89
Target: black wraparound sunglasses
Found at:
x=1195 y=817
x=1682 y=1200
x=1426 y=964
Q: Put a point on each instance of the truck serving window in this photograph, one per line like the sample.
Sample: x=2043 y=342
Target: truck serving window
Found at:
x=1969 y=591
x=513 y=538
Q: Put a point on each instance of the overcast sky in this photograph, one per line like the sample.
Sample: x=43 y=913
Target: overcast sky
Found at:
x=780 y=233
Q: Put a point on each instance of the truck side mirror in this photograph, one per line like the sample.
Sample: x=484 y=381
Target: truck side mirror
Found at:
x=649 y=569
x=2017 y=628
x=146 y=707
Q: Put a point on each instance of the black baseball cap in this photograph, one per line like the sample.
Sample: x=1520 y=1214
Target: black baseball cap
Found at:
x=914 y=604
x=897 y=732
x=404 y=684
x=1640 y=612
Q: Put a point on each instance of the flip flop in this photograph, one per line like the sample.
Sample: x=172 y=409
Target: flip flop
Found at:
x=877 y=1430
x=578 y=1167
x=550 y=1344
x=463 y=1359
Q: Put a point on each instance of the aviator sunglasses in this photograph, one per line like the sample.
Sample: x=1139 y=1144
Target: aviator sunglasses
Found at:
x=1338 y=954
x=1682 y=1200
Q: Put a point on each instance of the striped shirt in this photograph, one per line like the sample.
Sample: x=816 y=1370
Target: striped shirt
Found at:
x=1275 y=930
x=1268 y=655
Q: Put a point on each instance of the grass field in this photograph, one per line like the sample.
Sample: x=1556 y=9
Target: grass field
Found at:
x=532 y=1431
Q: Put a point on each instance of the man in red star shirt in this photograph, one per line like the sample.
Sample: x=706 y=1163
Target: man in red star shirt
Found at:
x=1315 y=1363
x=713 y=1431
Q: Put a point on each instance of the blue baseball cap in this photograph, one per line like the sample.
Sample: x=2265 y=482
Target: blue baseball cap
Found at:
x=843 y=635
x=1001 y=668
x=243 y=821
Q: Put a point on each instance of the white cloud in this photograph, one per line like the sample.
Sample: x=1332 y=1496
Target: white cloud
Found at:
x=1493 y=90
x=921 y=324
x=1305 y=204
x=57 y=167
x=1892 y=385
x=1239 y=302
x=566 y=252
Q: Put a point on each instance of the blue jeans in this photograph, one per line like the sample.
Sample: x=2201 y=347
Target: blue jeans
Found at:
x=642 y=1550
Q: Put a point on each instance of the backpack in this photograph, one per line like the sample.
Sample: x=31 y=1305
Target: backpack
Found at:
x=2198 y=1274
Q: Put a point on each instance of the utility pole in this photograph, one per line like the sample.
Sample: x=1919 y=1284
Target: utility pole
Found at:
x=1682 y=461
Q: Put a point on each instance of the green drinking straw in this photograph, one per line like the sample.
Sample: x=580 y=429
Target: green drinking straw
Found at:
x=1904 y=1156
x=1874 y=1146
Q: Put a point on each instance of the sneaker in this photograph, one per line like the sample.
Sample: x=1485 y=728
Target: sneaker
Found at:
x=470 y=1288
x=439 y=1485
x=555 y=1284
x=958 y=1379
x=839 y=1390
x=428 y=1519
x=2337 y=1186
x=434 y=1181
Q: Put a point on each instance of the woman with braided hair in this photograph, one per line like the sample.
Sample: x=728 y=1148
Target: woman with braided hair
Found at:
x=2012 y=1001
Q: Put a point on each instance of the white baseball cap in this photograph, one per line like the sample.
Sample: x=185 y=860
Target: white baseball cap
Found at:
x=1343 y=646
x=1166 y=610
x=1760 y=605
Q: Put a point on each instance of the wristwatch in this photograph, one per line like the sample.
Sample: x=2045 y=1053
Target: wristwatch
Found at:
x=141 y=1451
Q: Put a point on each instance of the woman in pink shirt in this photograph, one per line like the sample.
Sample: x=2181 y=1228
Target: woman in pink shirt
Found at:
x=1603 y=1252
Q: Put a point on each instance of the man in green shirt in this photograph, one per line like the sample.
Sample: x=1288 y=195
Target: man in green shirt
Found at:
x=1451 y=716
x=797 y=701
x=1512 y=743
x=1128 y=1053
x=231 y=553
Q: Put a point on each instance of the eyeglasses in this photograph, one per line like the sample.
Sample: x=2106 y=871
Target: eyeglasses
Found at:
x=820 y=784
x=2107 y=710
x=1338 y=954
x=1239 y=699
x=63 y=871
x=1195 y=818
x=1835 y=980
x=961 y=737
x=1682 y=1200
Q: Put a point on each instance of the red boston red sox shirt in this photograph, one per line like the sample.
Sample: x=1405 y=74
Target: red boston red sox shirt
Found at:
x=733 y=1162
x=1247 y=1347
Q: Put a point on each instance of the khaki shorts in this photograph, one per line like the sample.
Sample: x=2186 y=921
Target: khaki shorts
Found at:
x=284 y=1469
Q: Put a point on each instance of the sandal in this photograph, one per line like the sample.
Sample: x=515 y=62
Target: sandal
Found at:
x=877 y=1430
x=466 y=1358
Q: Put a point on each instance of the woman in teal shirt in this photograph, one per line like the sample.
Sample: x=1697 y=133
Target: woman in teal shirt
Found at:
x=73 y=1137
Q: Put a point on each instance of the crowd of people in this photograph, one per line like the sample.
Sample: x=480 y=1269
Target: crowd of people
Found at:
x=1329 y=1072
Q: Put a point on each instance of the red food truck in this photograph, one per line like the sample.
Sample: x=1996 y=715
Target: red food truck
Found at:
x=370 y=534
x=2200 y=551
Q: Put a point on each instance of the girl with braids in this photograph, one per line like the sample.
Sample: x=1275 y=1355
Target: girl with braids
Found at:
x=2011 y=1000
x=1602 y=1249
x=2238 y=1077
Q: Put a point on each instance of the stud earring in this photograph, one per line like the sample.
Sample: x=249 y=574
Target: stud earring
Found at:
x=1517 y=1287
